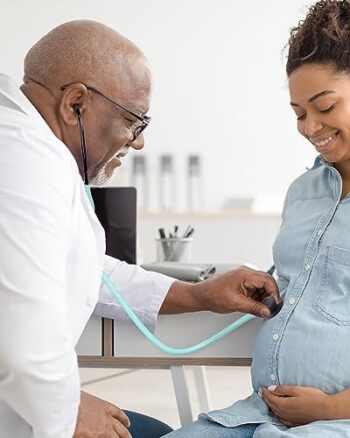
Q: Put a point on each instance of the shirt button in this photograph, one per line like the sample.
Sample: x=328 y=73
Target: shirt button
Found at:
x=291 y=301
x=275 y=337
x=319 y=232
x=307 y=267
x=272 y=377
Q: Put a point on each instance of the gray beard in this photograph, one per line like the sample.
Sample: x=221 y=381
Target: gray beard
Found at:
x=101 y=178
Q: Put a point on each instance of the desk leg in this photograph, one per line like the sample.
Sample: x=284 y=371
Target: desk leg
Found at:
x=181 y=393
x=200 y=377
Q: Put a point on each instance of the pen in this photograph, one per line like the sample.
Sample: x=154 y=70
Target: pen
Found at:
x=164 y=243
x=188 y=229
x=189 y=234
x=162 y=233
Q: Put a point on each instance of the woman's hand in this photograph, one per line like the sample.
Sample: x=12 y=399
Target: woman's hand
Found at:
x=297 y=405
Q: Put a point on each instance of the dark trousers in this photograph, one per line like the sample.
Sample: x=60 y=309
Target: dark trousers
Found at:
x=143 y=426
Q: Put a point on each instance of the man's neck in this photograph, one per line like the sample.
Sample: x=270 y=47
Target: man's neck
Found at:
x=45 y=103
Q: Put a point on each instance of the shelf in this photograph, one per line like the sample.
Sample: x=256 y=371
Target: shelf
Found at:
x=214 y=215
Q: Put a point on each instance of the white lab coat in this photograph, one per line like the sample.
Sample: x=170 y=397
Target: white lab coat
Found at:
x=51 y=259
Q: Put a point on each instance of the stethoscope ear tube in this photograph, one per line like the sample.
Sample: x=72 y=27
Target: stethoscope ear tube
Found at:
x=83 y=150
x=159 y=344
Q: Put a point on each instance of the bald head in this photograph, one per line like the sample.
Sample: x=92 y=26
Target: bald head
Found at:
x=85 y=51
x=106 y=77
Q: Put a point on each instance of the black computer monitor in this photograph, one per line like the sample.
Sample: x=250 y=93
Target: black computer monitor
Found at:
x=116 y=209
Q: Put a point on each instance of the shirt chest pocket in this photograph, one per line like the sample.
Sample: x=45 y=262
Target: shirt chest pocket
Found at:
x=333 y=302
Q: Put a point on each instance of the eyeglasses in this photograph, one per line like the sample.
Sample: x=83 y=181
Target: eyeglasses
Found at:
x=145 y=120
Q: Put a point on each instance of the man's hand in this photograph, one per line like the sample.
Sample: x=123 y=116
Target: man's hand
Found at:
x=297 y=405
x=98 y=418
x=240 y=290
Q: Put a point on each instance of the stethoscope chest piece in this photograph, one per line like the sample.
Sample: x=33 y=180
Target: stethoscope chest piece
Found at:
x=274 y=308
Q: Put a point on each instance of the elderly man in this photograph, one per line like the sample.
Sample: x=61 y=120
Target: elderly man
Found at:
x=83 y=104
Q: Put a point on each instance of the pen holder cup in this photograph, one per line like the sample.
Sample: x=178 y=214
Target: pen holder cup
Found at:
x=174 y=249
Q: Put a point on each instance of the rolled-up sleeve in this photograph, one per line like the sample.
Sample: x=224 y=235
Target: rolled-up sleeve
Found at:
x=144 y=291
x=39 y=377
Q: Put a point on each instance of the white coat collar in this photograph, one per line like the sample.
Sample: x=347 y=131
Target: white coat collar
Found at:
x=11 y=96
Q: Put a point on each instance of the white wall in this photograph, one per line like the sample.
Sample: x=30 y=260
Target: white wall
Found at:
x=235 y=239
x=220 y=87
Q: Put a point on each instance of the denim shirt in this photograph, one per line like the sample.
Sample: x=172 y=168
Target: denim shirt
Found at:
x=307 y=343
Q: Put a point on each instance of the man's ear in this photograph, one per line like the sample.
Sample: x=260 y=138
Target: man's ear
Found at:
x=74 y=99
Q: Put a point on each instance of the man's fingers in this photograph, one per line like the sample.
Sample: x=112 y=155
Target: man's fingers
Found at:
x=120 y=415
x=263 y=283
x=100 y=418
x=249 y=305
x=271 y=288
x=121 y=430
x=257 y=295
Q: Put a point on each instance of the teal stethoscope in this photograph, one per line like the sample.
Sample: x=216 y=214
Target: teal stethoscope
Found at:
x=131 y=314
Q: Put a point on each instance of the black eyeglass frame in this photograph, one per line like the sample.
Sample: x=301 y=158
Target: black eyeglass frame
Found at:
x=145 y=120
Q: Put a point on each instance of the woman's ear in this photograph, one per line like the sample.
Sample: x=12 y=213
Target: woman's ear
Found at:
x=73 y=102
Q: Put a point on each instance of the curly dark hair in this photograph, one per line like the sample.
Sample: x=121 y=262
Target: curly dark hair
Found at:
x=323 y=37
